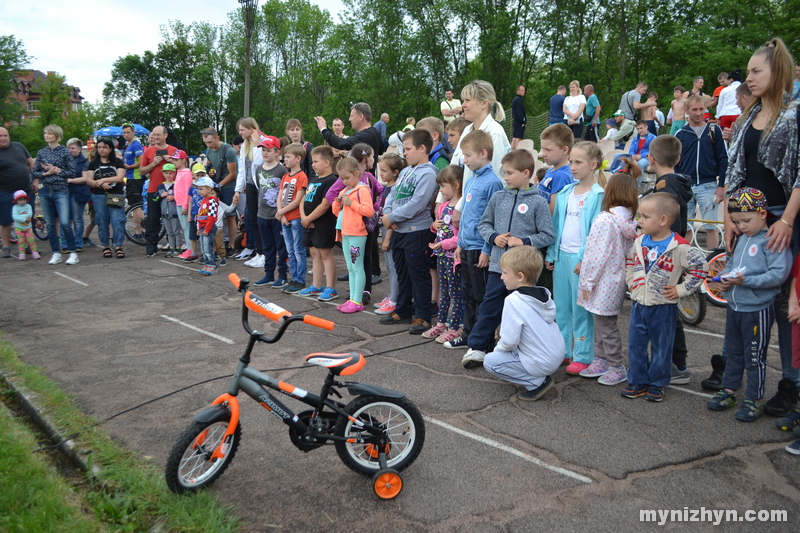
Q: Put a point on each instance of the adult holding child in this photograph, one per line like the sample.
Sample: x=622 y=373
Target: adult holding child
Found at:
x=52 y=169
x=763 y=154
x=574 y=104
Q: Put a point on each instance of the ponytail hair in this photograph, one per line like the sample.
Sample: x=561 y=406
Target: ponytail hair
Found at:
x=361 y=152
x=483 y=90
x=781 y=63
x=593 y=153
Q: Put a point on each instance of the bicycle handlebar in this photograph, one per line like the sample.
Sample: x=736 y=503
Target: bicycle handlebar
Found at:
x=319 y=322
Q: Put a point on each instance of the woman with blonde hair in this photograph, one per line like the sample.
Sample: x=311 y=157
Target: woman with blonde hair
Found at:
x=249 y=159
x=574 y=104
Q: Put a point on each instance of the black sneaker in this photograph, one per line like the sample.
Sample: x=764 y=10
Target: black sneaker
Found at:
x=366 y=298
x=784 y=400
x=394 y=318
x=418 y=327
x=344 y=277
x=537 y=393
x=376 y=280
x=458 y=342
x=714 y=381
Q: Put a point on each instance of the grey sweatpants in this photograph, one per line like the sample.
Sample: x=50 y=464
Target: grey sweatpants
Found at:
x=174 y=232
x=607 y=340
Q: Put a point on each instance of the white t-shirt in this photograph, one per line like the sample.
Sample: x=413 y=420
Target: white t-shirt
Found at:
x=573 y=103
x=727 y=105
x=571 y=235
x=452 y=104
x=610 y=133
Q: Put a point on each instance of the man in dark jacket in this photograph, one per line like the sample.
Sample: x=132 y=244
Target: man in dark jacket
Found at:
x=360 y=116
x=704 y=158
x=519 y=117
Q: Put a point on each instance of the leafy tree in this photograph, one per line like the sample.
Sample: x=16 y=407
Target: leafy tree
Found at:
x=12 y=59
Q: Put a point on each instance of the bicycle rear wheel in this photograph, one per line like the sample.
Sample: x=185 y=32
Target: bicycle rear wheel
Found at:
x=692 y=308
x=716 y=263
x=40 y=228
x=190 y=465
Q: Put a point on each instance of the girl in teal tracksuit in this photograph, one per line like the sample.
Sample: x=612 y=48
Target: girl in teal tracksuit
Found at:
x=576 y=207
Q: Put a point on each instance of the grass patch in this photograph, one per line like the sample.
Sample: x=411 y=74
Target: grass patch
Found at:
x=131 y=494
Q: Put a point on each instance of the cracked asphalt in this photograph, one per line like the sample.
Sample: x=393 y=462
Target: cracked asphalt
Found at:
x=107 y=345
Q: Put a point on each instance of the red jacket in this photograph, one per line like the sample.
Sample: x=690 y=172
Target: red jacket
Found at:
x=207 y=215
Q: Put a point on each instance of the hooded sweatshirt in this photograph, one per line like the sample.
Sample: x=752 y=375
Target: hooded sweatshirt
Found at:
x=764 y=273
x=409 y=203
x=703 y=157
x=521 y=212
x=680 y=187
x=478 y=188
x=603 y=266
x=529 y=330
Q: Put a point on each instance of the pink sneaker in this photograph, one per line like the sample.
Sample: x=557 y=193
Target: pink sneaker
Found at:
x=22 y=257
x=378 y=305
x=386 y=309
x=36 y=255
x=186 y=254
x=434 y=332
x=447 y=336
x=351 y=307
x=596 y=369
x=575 y=368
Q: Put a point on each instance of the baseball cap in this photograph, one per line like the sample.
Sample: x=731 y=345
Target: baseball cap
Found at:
x=179 y=154
x=20 y=194
x=205 y=181
x=270 y=142
x=198 y=167
x=746 y=200
x=619 y=113
x=169 y=166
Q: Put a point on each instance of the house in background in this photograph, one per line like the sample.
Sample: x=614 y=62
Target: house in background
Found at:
x=25 y=92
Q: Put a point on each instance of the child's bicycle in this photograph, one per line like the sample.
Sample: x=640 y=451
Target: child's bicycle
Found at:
x=378 y=434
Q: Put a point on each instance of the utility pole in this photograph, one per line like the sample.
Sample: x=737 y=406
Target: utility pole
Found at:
x=249 y=8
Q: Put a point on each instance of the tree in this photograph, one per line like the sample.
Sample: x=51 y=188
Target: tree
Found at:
x=12 y=59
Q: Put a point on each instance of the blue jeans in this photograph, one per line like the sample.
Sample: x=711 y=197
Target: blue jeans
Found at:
x=55 y=206
x=76 y=210
x=207 y=247
x=105 y=215
x=652 y=325
x=703 y=195
x=271 y=244
x=489 y=314
x=293 y=239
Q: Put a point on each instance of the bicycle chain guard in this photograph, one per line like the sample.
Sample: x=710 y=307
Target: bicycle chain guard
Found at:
x=324 y=424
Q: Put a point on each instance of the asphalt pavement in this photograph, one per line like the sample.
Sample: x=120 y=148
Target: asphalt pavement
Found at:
x=115 y=333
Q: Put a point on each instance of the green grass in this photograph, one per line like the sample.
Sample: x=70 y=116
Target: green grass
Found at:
x=131 y=494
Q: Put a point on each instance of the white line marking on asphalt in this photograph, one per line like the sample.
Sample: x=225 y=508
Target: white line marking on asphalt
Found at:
x=512 y=451
x=195 y=328
x=71 y=279
x=690 y=391
x=177 y=265
x=717 y=335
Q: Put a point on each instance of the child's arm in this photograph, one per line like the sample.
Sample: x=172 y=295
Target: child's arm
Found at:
x=387 y=240
x=319 y=211
x=362 y=203
x=510 y=329
x=630 y=261
x=486 y=228
x=696 y=268
x=779 y=264
x=595 y=254
x=294 y=204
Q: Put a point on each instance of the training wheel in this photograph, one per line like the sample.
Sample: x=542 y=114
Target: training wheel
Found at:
x=387 y=484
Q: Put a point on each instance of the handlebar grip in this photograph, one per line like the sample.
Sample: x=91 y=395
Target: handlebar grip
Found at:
x=265 y=307
x=319 y=322
x=234 y=278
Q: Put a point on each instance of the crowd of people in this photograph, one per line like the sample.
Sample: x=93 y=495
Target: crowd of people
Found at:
x=475 y=239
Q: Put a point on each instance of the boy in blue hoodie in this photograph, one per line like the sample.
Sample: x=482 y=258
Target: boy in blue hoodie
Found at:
x=473 y=251
x=515 y=216
x=751 y=297
x=407 y=212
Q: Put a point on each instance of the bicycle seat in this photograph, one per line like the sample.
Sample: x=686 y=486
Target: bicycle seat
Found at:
x=341 y=364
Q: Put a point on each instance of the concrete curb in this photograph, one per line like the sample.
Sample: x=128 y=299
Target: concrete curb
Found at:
x=27 y=399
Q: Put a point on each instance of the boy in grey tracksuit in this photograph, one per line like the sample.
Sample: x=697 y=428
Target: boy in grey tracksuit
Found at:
x=514 y=216
x=751 y=298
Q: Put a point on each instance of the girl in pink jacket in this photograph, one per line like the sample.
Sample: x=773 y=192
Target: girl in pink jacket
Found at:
x=601 y=289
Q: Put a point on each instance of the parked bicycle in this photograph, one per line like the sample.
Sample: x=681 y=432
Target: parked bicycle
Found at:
x=378 y=434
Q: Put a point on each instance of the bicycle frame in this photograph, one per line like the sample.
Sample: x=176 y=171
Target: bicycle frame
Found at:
x=250 y=381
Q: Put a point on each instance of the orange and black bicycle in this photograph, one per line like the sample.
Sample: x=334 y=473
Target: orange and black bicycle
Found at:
x=378 y=434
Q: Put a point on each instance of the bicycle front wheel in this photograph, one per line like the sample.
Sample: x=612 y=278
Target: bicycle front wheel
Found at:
x=398 y=417
x=190 y=466
x=716 y=264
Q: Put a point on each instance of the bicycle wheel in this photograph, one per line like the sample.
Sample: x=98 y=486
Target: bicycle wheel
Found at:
x=404 y=428
x=190 y=466
x=135 y=224
x=39 y=227
x=716 y=263
x=692 y=308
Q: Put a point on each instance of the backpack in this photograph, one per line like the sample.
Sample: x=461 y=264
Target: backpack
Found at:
x=440 y=152
x=370 y=223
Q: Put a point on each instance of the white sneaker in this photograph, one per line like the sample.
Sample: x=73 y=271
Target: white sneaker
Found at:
x=473 y=358
x=73 y=259
x=245 y=254
x=56 y=259
x=256 y=262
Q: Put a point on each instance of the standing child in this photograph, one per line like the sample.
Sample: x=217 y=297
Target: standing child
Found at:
x=455 y=128
x=390 y=166
x=183 y=181
x=169 y=210
x=751 y=303
x=530 y=347
x=198 y=172
x=602 y=276
x=557 y=142
x=352 y=205
x=207 y=223
x=449 y=181
x=22 y=212
x=515 y=216
x=268 y=176
x=654 y=266
x=576 y=207
x=438 y=156
x=293 y=188
x=320 y=227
